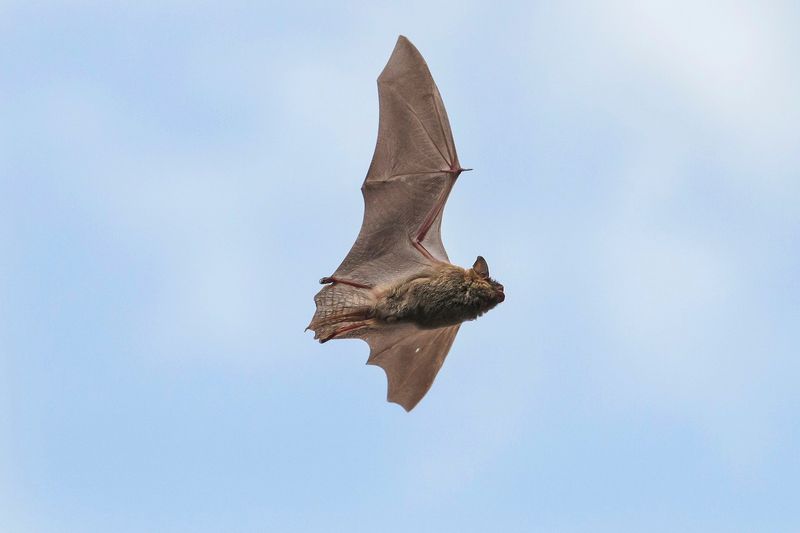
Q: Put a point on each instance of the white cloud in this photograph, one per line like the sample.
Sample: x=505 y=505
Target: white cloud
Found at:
x=732 y=64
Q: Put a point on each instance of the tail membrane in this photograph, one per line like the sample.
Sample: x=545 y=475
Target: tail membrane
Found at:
x=342 y=310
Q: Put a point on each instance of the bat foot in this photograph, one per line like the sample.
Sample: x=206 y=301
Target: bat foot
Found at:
x=338 y=332
x=331 y=279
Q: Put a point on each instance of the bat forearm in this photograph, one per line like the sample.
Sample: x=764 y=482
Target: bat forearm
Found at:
x=440 y=202
x=424 y=251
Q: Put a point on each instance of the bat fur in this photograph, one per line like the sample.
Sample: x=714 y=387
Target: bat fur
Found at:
x=443 y=295
x=447 y=296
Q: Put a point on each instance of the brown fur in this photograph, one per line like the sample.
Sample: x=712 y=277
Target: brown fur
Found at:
x=445 y=296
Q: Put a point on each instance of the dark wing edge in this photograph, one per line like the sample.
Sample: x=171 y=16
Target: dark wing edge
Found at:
x=411 y=358
x=410 y=177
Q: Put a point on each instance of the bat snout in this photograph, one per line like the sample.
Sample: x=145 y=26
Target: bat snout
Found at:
x=501 y=296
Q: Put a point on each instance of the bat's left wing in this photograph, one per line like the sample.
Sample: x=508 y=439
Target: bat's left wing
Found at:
x=411 y=358
x=412 y=172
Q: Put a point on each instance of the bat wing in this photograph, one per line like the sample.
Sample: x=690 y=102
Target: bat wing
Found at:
x=409 y=180
x=412 y=172
x=411 y=358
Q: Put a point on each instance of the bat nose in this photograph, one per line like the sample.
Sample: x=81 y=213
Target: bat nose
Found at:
x=500 y=287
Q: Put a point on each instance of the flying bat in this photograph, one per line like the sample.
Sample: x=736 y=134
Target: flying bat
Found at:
x=396 y=288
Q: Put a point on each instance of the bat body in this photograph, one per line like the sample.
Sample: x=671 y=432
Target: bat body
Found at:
x=396 y=289
x=446 y=295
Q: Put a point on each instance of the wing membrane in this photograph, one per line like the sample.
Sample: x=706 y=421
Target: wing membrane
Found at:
x=410 y=176
x=411 y=358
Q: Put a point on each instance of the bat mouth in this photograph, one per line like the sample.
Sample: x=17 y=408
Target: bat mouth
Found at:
x=501 y=296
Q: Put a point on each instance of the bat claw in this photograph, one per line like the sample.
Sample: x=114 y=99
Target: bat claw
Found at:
x=456 y=171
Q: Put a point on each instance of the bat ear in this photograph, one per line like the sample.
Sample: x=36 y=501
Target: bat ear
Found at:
x=481 y=267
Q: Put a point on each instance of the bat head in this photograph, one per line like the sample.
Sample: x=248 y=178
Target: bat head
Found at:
x=488 y=291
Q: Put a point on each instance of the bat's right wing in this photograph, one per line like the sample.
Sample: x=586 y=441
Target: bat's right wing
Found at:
x=411 y=175
x=411 y=358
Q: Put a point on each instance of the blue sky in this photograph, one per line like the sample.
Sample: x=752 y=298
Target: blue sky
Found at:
x=176 y=176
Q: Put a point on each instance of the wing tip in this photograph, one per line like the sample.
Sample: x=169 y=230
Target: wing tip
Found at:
x=404 y=42
x=404 y=403
x=407 y=406
x=404 y=52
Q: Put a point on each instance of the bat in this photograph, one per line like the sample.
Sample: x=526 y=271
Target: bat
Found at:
x=396 y=288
